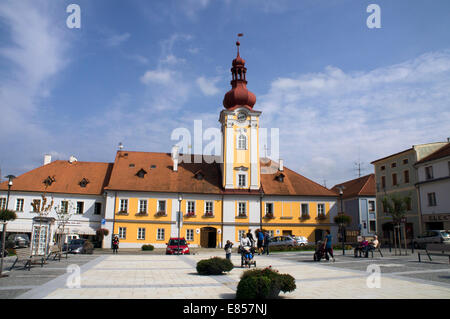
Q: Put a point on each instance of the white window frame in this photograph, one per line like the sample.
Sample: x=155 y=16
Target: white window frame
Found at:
x=189 y=234
x=39 y=205
x=239 y=174
x=122 y=233
x=188 y=204
x=240 y=234
x=301 y=210
x=141 y=231
x=143 y=202
x=433 y=202
x=323 y=214
x=19 y=207
x=271 y=233
x=369 y=206
x=2 y=202
x=65 y=206
x=241 y=141
x=242 y=212
x=266 y=206
x=429 y=174
x=82 y=204
x=160 y=234
x=212 y=207
x=165 y=206
x=123 y=205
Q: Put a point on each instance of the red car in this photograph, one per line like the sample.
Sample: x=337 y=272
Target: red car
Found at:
x=177 y=246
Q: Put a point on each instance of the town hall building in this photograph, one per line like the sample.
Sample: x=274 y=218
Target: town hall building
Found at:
x=138 y=197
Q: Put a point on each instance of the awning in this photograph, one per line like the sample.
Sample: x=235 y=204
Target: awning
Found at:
x=82 y=230
x=12 y=227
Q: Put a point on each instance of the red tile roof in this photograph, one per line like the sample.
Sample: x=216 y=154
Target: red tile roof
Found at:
x=162 y=178
x=362 y=186
x=67 y=177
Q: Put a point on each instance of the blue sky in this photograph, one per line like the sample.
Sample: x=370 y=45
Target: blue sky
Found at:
x=338 y=91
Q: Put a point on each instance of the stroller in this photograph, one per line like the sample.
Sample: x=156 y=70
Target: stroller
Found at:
x=247 y=256
x=320 y=251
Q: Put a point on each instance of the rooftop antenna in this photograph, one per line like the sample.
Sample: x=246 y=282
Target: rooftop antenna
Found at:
x=359 y=168
x=324 y=183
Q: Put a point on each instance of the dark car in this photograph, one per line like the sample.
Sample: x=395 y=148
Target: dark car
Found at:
x=78 y=246
x=431 y=237
x=177 y=246
x=20 y=240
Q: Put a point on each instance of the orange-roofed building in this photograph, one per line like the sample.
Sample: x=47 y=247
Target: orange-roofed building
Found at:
x=219 y=197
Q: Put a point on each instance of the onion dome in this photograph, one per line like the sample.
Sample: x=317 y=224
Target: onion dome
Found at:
x=239 y=95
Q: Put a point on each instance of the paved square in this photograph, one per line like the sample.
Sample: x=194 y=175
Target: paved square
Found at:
x=160 y=276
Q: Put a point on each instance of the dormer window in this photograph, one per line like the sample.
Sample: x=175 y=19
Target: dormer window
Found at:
x=280 y=177
x=131 y=165
x=49 y=181
x=83 y=182
x=199 y=175
x=141 y=173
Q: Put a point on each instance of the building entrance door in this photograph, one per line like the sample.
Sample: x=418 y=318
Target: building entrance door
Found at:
x=208 y=237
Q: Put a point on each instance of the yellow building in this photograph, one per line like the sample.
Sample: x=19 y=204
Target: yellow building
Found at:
x=220 y=199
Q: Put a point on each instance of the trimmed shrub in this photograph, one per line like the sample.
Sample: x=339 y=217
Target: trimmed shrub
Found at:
x=11 y=251
x=214 y=266
x=148 y=247
x=88 y=248
x=264 y=284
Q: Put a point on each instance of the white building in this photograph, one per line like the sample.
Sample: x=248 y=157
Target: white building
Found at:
x=434 y=189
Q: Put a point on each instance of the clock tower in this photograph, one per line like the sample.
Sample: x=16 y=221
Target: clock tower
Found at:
x=240 y=124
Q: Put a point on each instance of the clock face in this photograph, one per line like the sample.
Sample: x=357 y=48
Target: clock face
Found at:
x=242 y=117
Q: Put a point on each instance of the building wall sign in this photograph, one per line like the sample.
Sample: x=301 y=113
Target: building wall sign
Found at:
x=436 y=218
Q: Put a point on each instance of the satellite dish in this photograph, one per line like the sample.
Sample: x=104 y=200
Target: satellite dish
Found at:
x=120 y=146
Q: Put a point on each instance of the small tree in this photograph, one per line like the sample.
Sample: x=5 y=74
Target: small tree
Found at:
x=101 y=233
x=6 y=215
x=63 y=215
x=396 y=206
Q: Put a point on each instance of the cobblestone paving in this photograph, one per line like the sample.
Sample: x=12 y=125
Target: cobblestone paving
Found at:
x=159 y=276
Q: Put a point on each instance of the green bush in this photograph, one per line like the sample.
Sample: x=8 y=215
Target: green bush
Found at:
x=339 y=247
x=148 y=247
x=11 y=251
x=264 y=284
x=214 y=266
x=88 y=248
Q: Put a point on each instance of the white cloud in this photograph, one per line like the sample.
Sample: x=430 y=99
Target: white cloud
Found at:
x=208 y=85
x=36 y=51
x=336 y=114
x=117 y=39
x=157 y=77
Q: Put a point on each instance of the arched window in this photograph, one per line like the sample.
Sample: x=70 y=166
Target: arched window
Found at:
x=242 y=142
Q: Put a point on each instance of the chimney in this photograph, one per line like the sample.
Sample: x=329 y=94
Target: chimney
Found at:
x=72 y=159
x=47 y=159
x=281 y=165
x=175 y=157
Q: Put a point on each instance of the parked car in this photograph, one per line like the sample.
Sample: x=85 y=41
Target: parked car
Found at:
x=301 y=240
x=20 y=240
x=431 y=237
x=278 y=241
x=79 y=246
x=177 y=246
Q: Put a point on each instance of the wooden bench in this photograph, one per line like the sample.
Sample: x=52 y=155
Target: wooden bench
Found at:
x=24 y=255
x=436 y=250
x=56 y=253
x=370 y=250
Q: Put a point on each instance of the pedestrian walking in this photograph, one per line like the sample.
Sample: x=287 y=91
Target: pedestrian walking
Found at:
x=328 y=246
x=266 y=243
x=115 y=244
x=227 y=248
x=260 y=242
x=250 y=236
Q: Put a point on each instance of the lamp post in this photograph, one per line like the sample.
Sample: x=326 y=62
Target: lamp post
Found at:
x=261 y=195
x=180 y=198
x=10 y=184
x=341 y=223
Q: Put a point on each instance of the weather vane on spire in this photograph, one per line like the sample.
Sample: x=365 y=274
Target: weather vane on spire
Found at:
x=237 y=42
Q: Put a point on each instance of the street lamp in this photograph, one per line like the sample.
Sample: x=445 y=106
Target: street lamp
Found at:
x=180 y=198
x=341 y=222
x=10 y=184
x=261 y=195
